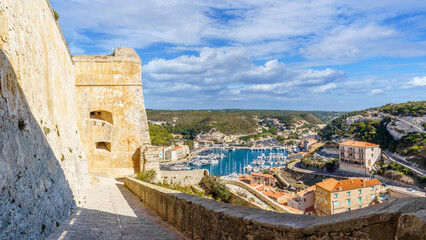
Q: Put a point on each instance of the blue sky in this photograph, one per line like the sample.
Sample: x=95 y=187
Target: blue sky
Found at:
x=297 y=55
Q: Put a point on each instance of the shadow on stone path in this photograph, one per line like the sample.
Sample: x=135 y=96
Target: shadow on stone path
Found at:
x=112 y=211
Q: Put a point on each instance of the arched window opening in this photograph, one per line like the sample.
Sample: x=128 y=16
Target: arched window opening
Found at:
x=103 y=146
x=102 y=115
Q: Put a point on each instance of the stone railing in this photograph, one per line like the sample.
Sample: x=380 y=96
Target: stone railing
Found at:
x=200 y=218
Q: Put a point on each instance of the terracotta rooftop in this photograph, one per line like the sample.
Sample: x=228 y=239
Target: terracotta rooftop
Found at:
x=333 y=185
x=244 y=177
x=255 y=184
x=303 y=192
x=358 y=144
x=261 y=175
x=262 y=188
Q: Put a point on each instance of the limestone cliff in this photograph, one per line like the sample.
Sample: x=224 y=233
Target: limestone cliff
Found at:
x=43 y=169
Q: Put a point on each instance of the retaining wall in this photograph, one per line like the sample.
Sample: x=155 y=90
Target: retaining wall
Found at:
x=201 y=218
x=184 y=178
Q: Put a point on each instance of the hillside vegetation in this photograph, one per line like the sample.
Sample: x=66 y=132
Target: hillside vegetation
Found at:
x=373 y=126
x=192 y=123
x=230 y=121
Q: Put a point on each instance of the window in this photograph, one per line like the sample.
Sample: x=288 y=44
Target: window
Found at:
x=372 y=196
x=349 y=193
x=360 y=207
x=300 y=204
x=359 y=200
x=326 y=194
x=321 y=199
x=349 y=202
x=304 y=199
x=326 y=202
x=319 y=207
x=318 y=198
x=359 y=191
x=103 y=146
x=348 y=209
x=335 y=195
x=326 y=210
x=102 y=115
x=372 y=188
x=336 y=203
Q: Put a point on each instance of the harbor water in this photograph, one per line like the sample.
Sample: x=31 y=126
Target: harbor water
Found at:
x=235 y=161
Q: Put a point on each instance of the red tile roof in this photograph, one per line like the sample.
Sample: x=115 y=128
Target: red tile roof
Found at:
x=358 y=144
x=261 y=175
x=333 y=185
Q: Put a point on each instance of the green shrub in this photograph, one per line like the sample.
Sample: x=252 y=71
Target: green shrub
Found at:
x=218 y=190
x=56 y=15
x=416 y=149
x=147 y=176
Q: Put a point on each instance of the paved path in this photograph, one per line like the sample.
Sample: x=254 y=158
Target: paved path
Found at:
x=112 y=211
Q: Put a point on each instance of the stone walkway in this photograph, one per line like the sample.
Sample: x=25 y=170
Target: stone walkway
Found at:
x=112 y=211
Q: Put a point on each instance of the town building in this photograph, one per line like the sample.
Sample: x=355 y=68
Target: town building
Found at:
x=278 y=197
x=206 y=143
x=304 y=200
x=307 y=143
x=264 y=179
x=177 y=152
x=358 y=157
x=245 y=178
x=172 y=154
x=162 y=153
x=333 y=196
x=195 y=145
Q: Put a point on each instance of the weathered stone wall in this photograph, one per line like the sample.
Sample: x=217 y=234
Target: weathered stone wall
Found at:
x=201 y=218
x=184 y=178
x=111 y=85
x=43 y=169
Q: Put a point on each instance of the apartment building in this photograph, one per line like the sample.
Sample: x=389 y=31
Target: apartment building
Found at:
x=265 y=179
x=172 y=154
x=358 y=157
x=333 y=196
x=304 y=200
x=162 y=153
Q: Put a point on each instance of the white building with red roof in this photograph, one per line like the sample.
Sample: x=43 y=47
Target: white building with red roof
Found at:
x=358 y=157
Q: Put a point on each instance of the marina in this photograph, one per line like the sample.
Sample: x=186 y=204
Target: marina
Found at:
x=232 y=161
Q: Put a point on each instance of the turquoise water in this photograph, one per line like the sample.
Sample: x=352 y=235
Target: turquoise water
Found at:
x=235 y=161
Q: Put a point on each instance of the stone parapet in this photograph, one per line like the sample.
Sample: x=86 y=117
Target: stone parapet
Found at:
x=201 y=218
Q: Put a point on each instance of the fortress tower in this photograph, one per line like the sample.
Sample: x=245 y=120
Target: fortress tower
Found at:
x=111 y=112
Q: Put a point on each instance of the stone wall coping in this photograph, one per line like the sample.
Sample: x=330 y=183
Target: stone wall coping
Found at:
x=386 y=214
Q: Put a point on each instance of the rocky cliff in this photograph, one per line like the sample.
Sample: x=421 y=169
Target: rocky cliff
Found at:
x=43 y=169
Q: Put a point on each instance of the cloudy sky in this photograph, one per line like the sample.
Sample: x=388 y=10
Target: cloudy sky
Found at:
x=300 y=55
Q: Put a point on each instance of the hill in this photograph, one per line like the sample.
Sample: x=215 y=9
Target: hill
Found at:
x=400 y=128
x=192 y=123
x=229 y=121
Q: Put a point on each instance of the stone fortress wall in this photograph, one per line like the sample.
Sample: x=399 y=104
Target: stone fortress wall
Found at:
x=111 y=112
x=200 y=218
x=43 y=168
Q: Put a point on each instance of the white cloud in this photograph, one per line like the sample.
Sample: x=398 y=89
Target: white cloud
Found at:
x=232 y=75
x=322 y=30
x=416 y=82
x=376 y=91
x=324 y=88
